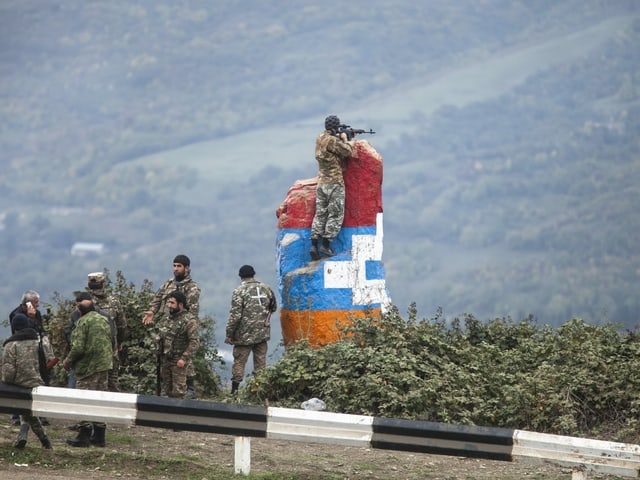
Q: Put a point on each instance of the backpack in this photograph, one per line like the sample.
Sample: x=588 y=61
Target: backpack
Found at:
x=45 y=352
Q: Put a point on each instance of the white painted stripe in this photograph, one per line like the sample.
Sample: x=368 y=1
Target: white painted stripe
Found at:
x=597 y=455
x=321 y=427
x=90 y=405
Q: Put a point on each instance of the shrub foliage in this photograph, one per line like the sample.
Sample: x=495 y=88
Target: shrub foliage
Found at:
x=574 y=379
x=137 y=372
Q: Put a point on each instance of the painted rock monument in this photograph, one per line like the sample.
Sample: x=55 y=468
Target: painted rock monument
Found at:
x=319 y=298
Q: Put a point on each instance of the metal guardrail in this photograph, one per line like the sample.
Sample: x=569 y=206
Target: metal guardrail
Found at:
x=245 y=421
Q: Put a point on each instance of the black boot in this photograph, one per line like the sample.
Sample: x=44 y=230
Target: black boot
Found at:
x=21 y=442
x=313 y=251
x=83 y=437
x=46 y=443
x=97 y=438
x=325 y=248
x=234 y=388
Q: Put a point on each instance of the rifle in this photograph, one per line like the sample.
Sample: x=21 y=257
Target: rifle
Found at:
x=159 y=368
x=352 y=132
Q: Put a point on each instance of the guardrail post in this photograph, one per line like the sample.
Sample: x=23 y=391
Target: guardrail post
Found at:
x=578 y=473
x=242 y=455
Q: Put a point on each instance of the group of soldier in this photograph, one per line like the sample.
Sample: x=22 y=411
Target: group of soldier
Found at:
x=98 y=329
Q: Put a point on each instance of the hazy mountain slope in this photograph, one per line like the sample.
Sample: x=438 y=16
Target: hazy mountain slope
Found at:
x=99 y=98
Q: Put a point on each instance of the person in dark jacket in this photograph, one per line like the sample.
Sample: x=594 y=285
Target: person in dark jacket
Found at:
x=29 y=307
x=20 y=366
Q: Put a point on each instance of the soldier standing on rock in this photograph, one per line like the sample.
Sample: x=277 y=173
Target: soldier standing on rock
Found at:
x=332 y=149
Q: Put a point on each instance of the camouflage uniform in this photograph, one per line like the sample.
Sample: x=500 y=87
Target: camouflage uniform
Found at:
x=187 y=286
x=178 y=340
x=160 y=311
x=109 y=303
x=20 y=367
x=331 y=152
x=252 y=302
x=91 y=348
x=91 y=354
x=75 y=317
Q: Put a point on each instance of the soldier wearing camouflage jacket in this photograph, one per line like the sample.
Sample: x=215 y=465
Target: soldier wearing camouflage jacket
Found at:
x=106 y=301
x=91 y=356
x=179 y=342
x=181 y=282
x=331 y=151
x=248 y=327
x=158 y=311
x=20 y=366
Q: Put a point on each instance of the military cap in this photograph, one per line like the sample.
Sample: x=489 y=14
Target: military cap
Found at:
x=80 y=296
x=97 y=276
x=246 y=271
x=182 y=260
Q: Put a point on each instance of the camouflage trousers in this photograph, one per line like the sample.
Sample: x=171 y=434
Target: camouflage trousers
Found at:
x=241 y=356
x=327 y=221
x=95 y=381
x=174 y=378
x=35 y=424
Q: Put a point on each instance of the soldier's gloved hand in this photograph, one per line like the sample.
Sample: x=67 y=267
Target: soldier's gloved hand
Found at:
x=228 y=341
x=66 y=365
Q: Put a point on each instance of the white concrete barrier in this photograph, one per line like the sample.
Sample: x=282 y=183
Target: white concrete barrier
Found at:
x=582 y=455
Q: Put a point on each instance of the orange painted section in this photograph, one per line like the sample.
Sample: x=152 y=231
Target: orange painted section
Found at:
x=319 y=327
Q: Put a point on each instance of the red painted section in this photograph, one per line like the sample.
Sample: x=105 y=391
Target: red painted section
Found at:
x=299 y=206
x=363 y=186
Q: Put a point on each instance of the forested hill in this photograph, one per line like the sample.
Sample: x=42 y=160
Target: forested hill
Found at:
x=509 y=130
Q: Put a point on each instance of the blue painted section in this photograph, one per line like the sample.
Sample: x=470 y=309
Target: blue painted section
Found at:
x=374 y=269
x=295 y=266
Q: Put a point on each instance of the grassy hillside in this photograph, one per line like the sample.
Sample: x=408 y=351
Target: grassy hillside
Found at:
x=508 y=128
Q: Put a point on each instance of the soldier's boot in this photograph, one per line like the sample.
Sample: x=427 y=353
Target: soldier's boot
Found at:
x=83 y=437
x=44 y=440
x=21 y=442
x=97 y=438
x=313 y=251
x=325 y=248
x=234 y=388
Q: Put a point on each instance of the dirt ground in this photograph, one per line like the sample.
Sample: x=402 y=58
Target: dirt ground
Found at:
x=137 y=453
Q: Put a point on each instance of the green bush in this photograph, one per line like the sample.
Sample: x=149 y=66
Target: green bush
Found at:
x=574 y=380
x=138 y=369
